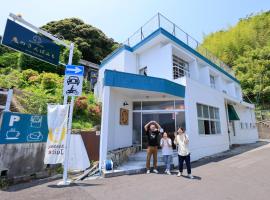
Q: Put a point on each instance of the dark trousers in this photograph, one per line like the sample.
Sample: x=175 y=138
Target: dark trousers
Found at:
x=181 y=160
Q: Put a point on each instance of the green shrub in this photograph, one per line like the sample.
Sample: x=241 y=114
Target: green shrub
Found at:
x=49 y=81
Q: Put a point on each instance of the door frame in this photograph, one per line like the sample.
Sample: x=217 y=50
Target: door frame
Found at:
x=156 y=112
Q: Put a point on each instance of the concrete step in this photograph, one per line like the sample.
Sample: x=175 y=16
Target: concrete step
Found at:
x=133 y=167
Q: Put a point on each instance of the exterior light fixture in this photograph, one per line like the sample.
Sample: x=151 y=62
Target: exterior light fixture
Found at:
x=125 y=103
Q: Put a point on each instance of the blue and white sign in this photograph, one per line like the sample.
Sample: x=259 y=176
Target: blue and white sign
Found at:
x=74 y=70
x=24 y=40
x=73 y=80
x=23 y=128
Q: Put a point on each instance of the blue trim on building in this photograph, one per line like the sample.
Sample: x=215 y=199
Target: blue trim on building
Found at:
x=173 y=38
x=115 y=53
x=140 y=82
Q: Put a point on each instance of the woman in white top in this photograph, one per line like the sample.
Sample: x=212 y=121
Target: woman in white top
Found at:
x=167 y=151
x=181 y=141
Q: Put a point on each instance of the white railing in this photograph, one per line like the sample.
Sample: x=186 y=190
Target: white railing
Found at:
x=160 y=21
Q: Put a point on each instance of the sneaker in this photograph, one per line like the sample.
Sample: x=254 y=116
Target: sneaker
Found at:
x=148 y=171
x=179 y=174
x=190 y=176
x=155 y=171
x=168 y=172
x=165 y=172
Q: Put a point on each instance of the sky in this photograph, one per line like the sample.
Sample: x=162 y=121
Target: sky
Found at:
x=118 y=19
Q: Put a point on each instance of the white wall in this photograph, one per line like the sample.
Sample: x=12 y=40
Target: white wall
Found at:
x=204 y=75
x=125 y=61
x=158 y=61
x=119 y=135
x=245 y=135
x=204 y=145
x=130 y=63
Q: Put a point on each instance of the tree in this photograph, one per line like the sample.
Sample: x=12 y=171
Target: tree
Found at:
x=249 y=33
x=92 y=42
x=28 y=62
x=246 y=47
x=253 y=71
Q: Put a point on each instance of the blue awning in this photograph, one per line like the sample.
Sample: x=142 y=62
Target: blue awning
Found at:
x=141 y=82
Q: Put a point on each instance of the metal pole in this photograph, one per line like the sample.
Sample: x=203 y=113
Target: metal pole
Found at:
x=65 y=173
x=9 y=99
x=71 y=49
x=158 y=20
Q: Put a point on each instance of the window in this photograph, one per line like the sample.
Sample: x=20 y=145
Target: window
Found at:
x=180 y=68
x=208 y=119
x=159 y=105
x=143 y=71
x=212 y=81
x=242 y=125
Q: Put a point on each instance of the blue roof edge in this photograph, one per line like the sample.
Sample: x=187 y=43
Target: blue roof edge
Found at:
x=148 y=83
x=173 y=38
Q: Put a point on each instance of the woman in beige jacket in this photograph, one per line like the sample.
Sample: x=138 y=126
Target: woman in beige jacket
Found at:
x=181 y=141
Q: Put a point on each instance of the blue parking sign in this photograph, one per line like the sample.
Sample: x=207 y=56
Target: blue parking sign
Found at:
x=23 y=128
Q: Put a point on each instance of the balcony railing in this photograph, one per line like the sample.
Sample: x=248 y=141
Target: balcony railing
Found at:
x=160 y=21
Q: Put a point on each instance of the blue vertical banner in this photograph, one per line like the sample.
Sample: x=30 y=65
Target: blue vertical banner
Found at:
x=23 y=128
x=24 y=40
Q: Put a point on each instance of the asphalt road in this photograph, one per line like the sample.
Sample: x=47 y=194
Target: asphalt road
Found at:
x=244 y=176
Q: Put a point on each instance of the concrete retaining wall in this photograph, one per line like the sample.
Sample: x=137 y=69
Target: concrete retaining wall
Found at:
x=22 y=159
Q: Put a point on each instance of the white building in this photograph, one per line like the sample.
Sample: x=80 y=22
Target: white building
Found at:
x=161 y=73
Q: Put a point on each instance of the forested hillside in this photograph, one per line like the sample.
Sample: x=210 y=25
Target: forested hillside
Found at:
x=41 y=83
x=91 y=44
x=246 y=47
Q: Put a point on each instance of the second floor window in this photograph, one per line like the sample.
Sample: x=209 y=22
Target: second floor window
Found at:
x=180 y=67
x=212 y=81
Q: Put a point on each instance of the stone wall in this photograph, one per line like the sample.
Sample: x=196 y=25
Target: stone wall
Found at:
x=119 y=156
x=264 y=131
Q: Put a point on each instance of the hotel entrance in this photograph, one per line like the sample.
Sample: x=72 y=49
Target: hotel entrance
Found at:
x=169 y=114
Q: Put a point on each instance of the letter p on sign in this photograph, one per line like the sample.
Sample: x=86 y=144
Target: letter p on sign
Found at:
x=13 y=118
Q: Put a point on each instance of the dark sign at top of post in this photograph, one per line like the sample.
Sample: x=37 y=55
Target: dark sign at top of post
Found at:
x=31 y=43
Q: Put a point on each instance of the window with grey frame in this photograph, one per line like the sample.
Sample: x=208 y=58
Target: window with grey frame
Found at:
x=208 y=119
x=213 y=81
x=180 y=67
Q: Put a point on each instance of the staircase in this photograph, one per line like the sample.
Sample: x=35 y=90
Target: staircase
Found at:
x=136 y=164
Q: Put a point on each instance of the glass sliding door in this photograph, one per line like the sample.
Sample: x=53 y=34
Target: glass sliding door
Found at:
x=166 y=121
x=137 y=132
x=169 y=114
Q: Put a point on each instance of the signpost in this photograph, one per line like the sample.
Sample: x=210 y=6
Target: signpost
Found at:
x=35 y=44
x=73 y=80
x=73 y=83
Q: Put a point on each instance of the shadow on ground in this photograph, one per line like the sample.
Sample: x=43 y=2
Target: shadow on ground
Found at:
x=234 y=151
x=73 y=185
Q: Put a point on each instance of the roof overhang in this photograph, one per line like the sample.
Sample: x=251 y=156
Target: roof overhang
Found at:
x=140 y=82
